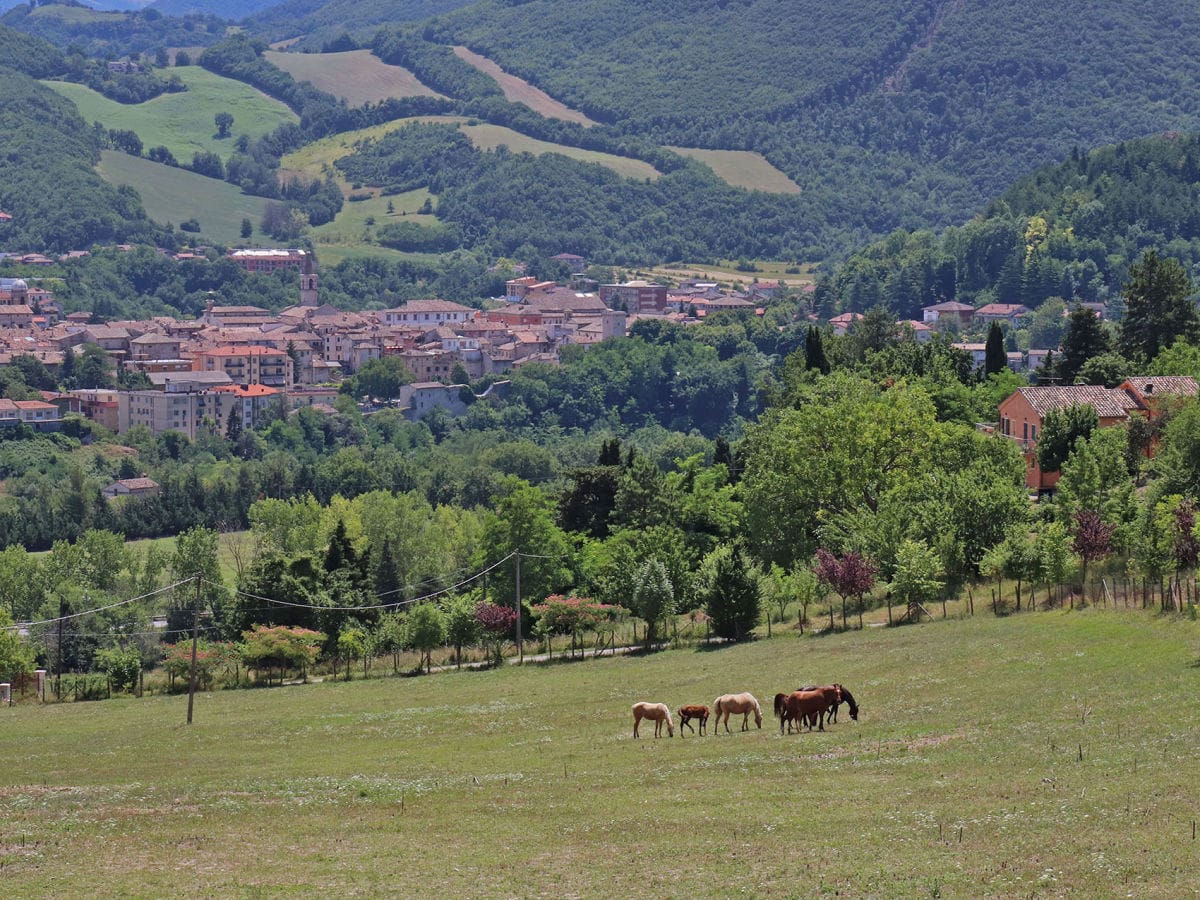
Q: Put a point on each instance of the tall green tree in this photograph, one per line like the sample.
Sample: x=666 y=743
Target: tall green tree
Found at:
x=732 y=596
x=1159 y=307
x=814 y=351
x=1083 y=339
x=653 y=597
x=995 y=359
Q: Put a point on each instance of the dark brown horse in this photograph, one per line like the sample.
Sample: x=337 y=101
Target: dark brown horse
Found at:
x=846 y=696
x=687 y=713
x=805 y=706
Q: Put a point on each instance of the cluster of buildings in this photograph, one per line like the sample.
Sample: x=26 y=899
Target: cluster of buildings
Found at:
x=251 y=359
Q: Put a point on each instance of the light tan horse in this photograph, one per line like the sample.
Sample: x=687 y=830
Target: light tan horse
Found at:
x=658 y=713
x=745 y=704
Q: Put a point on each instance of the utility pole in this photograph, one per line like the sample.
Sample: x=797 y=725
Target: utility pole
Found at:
x=62 y=614
x=520 y=643
x=195 y=639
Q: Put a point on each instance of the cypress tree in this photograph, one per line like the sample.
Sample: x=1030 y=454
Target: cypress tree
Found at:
x=814 y=351
x=994 y=358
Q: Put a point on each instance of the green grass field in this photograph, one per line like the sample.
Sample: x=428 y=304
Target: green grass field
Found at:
x=517 y=90
x=1042 y=754
x=174 y=195
x=743 y=168
x=77 y=15
x=183 y=123
x=358 y=76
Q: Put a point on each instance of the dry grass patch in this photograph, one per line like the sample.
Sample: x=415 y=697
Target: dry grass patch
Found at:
x=518 y=90
x=744 y=169
x=358 y=76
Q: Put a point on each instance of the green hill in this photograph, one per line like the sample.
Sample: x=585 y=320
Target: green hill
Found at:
x=47 y=181
x=176 y=195
x=1069 y=230
x=317 y=21
x=183 y=122
x=885 y=114
x=102 y=33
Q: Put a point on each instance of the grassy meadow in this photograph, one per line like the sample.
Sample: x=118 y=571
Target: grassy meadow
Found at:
x=1037 y=755
x=358 y=76
x=518 y=90
x=183 y=123
x=743 y=168
x=174 y=195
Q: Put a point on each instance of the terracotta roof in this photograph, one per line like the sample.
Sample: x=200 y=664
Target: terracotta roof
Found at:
x=1176 y=385
x=1109 y=403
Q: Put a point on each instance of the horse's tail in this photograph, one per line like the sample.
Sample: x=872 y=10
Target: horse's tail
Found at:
x=717 y=707
x=780 y=701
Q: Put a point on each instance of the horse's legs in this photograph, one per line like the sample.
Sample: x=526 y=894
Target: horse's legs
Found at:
x=637 y=719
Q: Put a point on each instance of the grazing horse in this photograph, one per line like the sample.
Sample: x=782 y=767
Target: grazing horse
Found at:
x=658 y=713
x=686 y=713
x=737 y=703
x=805 y=706
x=846 y=696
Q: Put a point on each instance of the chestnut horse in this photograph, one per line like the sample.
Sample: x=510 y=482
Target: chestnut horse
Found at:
x=686 y=713
x=846 y=696
x=805 y=706
x=658 y=713
x=737 y=703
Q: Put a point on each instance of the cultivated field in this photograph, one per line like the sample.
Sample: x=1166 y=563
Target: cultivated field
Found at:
x=744 y=169
x=517 y=90
x=358 y=76
x=1037 y=755
x=728 y=274
x=183 y=123
x=489 y=137
x=175 y=195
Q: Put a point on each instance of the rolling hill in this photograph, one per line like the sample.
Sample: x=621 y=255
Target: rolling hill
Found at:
x=355 y=76
x=183 y=122
x=176 y=195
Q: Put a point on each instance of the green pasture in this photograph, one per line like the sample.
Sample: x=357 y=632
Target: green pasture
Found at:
x=743 y=168
x=352 y=232
x=77 y=15
x=183 y=122
x=1041 y=754
x=174 y=195
x=489 y=137
x=358 y=76
x=518 y=90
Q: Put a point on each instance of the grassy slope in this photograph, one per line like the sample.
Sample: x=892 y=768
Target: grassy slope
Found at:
x=489 y=137
x=742 y=168
x=518 y=90
x=184 y=122
x=173 y=195
x=356 y=75
x=526 y=782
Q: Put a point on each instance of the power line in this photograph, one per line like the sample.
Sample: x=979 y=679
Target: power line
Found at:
x=88 y=612
x=375 y=606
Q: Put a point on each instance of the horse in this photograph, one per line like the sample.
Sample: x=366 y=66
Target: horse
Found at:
x=846 y=695
x=737 y=703
x=658 y=713
x=805 y=706
x=699 y=713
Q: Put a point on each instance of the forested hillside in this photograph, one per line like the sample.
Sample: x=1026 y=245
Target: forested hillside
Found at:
x=47 y=183
x=886 y=114
x=320 y=21
x=115 y=34
x=1068 y=230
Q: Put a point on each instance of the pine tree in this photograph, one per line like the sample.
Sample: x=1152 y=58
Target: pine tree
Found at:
x=341 y=553
x=387 y=576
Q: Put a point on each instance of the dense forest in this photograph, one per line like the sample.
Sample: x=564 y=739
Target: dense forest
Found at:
x=1069 y=230
x=516 y=203
x=318 y=22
